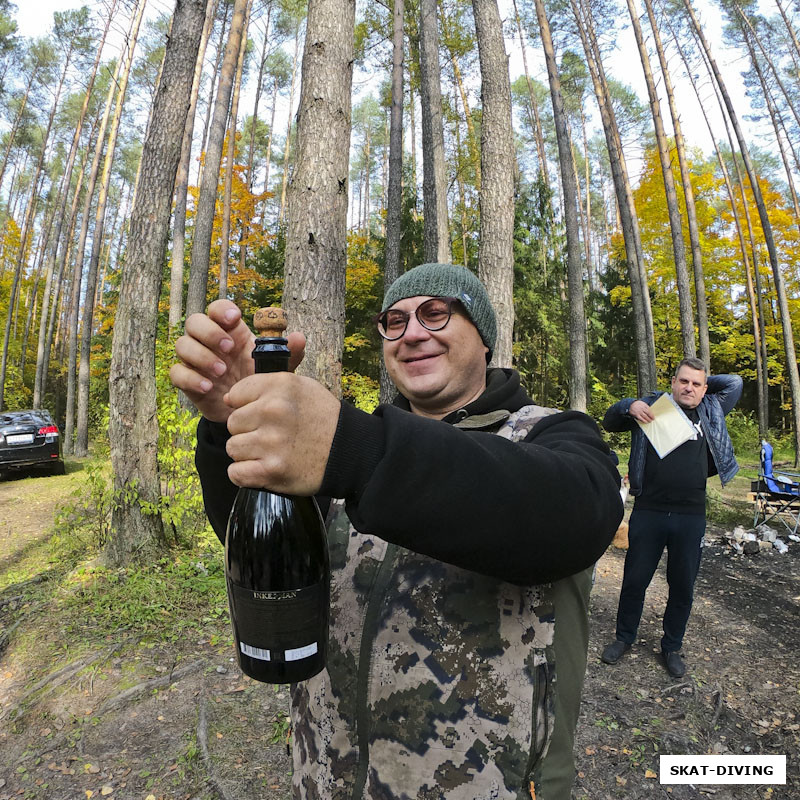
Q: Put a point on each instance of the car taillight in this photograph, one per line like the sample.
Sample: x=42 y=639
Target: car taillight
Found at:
x=48 y=429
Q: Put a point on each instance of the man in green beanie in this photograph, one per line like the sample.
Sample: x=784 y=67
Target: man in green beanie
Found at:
x=461 y=521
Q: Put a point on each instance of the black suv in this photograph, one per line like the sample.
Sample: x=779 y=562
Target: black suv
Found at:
x=30 y=439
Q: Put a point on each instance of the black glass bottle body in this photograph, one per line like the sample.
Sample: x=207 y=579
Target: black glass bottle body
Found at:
x=277 y=572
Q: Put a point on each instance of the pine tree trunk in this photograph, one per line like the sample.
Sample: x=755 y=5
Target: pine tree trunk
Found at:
x=786 y=322
x=87 y=318
x=688 y=192
x=640 y=297
x=756 y=316
x=578 y=371
x=216 y=74
x=434 y=175
x=40 y=377
x=498 y=162
x=533 y=107
x=43 y=253
x=12 y=134
x=675 y=223
x=225 y=239
x=472 y=136
x=77 y=272
x=316 y=237
x=30 y=214
x=178 y=265
x=207 y=201
x=288 y=144
x=251 y=154
x=137 y=532
x=269 y=142
x=394 y=194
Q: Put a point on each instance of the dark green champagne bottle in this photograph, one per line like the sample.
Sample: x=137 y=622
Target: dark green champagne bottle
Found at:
x=276 y=561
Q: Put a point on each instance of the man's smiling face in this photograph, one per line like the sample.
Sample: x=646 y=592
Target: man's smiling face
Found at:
x=437 y=371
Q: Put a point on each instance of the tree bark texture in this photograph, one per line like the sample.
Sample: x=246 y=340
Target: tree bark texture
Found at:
x=316 y=237
x=225 y=243
x=77 y=270
x=133 y=422
x=434 y=174
x=790 y=352
x=688 y=193
x=182 y=181
x=498 y=161
x=82 y=428
x=675 y=222
x=394 y=194
x=39 y=380
x=207 y=200
x=640 y=297
x=760 y=349
x=578 y=371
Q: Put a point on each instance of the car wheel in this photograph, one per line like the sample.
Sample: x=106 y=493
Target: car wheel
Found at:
x=59 y=468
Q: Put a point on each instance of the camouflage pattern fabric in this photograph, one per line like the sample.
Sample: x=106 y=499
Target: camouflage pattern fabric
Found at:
x=439 y=682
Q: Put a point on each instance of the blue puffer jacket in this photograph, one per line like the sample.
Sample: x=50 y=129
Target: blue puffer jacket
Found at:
x=721 y=396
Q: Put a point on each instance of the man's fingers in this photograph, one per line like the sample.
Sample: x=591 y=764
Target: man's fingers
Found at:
x=188 y=380
x=248 y=474
x=297 y=349
x=198 y=356
x=225 y=313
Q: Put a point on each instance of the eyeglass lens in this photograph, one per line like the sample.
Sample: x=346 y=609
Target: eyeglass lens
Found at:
x=433 y=315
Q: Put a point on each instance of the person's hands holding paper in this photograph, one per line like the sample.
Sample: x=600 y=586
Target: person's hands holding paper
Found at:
x=640 y=411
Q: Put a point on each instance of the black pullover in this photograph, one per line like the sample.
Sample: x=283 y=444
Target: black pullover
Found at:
x=529 y=512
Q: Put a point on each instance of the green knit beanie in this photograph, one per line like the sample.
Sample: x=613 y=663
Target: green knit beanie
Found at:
x=448 y=280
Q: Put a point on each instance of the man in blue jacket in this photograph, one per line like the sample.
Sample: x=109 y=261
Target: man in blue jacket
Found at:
x=670 y=506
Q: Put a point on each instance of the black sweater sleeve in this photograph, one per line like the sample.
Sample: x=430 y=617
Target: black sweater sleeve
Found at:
x=528 y=512
x=212 y=461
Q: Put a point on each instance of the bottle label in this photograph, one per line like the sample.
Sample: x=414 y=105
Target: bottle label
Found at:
x=279 y=626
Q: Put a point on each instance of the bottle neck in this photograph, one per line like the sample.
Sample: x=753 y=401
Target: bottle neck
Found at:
x=271 y=354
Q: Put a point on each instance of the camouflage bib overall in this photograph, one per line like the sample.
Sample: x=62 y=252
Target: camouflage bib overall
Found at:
x=439 y=682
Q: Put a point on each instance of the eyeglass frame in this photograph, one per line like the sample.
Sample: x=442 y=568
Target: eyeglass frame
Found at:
x=448 y=300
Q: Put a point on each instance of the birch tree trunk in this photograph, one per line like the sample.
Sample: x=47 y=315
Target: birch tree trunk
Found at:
x=316 y=236
x=207 y=200
x=137 y=532
x=578 y=368
x=434 y=175
x=496 y=251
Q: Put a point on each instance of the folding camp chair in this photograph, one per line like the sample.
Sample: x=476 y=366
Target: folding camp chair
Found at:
x=776 y=494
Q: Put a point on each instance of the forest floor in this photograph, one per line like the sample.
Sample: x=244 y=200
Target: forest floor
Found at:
x=122 y=714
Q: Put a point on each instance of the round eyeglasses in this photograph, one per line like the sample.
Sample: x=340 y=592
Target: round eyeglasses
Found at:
x=433 y=315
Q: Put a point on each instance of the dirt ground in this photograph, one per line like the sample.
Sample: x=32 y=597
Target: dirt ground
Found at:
x=137 y=721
